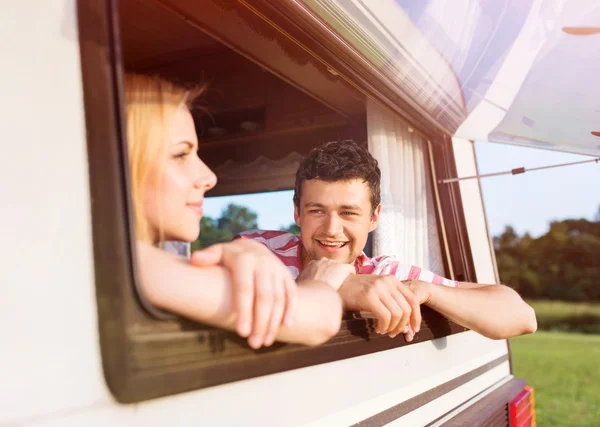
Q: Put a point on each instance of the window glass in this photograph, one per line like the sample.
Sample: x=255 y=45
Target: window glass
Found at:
x=226 y=216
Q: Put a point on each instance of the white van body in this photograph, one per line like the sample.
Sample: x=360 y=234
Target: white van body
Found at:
x=51 y=364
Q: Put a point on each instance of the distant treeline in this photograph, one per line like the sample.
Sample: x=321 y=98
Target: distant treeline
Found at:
x=233 y=220
x=563 y=264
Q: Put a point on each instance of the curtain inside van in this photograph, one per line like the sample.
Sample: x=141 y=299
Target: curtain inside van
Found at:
x=407 y=226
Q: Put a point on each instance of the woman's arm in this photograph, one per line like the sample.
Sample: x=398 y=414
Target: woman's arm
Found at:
x=206 y=295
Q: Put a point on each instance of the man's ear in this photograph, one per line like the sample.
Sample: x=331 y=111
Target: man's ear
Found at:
x=296 y=215
x=375 y=218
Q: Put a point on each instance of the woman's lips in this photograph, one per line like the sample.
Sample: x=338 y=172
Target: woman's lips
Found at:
x=196 y=208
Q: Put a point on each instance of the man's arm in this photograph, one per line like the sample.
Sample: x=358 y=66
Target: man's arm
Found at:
x=205 y=294
x=494 y=311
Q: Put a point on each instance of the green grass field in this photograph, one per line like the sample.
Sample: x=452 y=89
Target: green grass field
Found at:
x=564 y=370
x=567 y=316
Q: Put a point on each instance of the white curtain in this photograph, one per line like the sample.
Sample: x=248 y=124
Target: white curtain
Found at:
x=407 y=226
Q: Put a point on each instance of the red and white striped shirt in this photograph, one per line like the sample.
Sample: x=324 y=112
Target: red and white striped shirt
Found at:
x=288 y=248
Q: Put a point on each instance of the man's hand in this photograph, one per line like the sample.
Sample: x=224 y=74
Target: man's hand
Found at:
x=328 y=271
x=394 y=303
x=264 y=291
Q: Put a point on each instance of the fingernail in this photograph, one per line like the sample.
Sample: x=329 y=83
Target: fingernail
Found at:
x=405 y=329
x=417 y=329
x=254 y=341
x=244 y=329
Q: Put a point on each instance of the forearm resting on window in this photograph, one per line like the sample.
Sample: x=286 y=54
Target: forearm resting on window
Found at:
x=206 y=295
x=495 y=311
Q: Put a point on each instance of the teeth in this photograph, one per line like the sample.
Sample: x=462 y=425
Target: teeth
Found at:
x=334 y=244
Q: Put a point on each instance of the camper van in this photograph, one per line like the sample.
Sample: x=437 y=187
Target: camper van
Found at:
x=416 y=82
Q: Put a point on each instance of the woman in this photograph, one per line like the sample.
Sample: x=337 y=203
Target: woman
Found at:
x=242 y=285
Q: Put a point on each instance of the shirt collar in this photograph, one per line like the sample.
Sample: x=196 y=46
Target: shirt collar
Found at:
x=361 y=260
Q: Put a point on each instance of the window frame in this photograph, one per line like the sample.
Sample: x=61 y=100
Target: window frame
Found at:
x=452 y=224
x=144 y=357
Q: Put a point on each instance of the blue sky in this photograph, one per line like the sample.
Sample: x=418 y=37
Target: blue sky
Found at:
x=274 y=209
x=528 y=202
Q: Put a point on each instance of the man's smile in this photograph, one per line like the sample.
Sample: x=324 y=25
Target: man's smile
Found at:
x=331 y=245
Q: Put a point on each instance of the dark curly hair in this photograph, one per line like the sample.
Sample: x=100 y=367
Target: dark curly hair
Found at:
x=340 y=161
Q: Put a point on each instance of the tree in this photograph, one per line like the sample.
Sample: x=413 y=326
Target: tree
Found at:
x=508 y=239
x=236 y=218
x=292 y=228
x=210 y=233
x=233 y=220
x=561 y=264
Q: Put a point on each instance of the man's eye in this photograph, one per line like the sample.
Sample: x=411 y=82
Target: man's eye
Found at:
x=349 y=213
x=315 y=211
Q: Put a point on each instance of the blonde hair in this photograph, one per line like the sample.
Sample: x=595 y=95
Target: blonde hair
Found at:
x=151 y=102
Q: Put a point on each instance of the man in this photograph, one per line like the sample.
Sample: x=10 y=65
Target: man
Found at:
x=336 y=205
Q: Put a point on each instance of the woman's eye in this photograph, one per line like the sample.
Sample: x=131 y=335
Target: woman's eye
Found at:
x=180 y=155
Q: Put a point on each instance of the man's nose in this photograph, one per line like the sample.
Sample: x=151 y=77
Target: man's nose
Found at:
x=333 y=225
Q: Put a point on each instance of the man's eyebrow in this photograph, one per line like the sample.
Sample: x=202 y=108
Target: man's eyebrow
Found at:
x=320 y=205
x=314 y=205
x=352 y=207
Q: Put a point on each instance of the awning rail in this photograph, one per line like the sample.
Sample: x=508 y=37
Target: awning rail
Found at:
x=515 y=171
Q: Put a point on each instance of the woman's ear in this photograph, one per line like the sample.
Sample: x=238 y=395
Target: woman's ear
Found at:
x=375 y=218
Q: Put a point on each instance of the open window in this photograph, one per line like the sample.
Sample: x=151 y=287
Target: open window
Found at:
x=273 y=97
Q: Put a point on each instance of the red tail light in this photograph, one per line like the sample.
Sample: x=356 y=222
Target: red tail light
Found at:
x=522 y=409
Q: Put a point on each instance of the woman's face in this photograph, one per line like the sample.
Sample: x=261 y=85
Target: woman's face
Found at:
x=173 y=200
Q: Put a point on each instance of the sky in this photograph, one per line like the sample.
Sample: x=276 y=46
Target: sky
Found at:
x=528 y=202
x=274 y=209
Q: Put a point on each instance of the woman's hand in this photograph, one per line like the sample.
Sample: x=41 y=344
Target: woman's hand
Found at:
x=264 y=291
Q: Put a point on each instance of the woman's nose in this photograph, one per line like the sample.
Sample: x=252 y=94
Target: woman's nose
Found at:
x=206 y=178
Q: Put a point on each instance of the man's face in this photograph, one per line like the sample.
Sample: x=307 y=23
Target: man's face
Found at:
x=335 y=219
